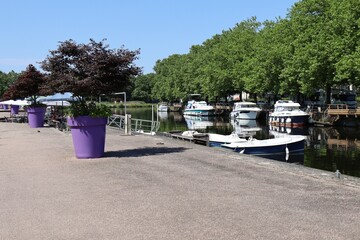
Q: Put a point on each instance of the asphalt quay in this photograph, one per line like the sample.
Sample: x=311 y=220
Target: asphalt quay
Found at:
x=154 y=187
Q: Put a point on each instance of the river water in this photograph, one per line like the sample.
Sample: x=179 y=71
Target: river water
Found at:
x=326 y=148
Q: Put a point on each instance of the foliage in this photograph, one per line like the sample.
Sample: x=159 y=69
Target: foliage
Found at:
x=89 y=70
x=29 y=84
x=92 y=109
x=170 y=79
x=315 y=46
x=143 y=85
x=6 y=79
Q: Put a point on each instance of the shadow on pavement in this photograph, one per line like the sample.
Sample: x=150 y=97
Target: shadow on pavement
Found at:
x=141 y=152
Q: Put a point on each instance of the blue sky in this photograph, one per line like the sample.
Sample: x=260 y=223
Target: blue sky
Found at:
x=159 y=28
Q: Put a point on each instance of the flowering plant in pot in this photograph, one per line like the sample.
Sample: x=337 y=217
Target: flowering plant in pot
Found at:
x=29 y=85
x=88 y=71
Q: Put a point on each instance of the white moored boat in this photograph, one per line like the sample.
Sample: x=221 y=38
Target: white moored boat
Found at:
x=163 y=108
x=199 y=108
x=288 y=113
x=268 y=146
x=245 y=110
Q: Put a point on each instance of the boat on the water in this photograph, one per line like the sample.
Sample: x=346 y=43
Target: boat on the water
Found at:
x=163 y=107
x=288 y=113
x=245 y=110
x=215 y=140
x=199 y=108
x=268 y=146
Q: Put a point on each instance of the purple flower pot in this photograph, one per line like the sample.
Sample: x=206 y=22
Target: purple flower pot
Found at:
x=88 y=136
x=14 y=109
x=5 y=106
x=36 y=116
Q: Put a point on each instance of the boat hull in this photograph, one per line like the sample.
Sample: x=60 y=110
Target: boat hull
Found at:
x=245 y=110
x=199 y=112
x=269 y=146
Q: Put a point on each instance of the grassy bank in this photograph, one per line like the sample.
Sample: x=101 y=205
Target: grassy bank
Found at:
x=129 y=104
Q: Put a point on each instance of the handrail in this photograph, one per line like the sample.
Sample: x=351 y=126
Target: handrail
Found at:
x=137 y=125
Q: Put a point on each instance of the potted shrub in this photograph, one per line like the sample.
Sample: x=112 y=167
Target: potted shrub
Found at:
x=88 y=71
x=29 y=85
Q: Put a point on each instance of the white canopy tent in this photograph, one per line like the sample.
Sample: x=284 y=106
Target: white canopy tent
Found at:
x=15 y=102
x=57 y=97
x=57 y=103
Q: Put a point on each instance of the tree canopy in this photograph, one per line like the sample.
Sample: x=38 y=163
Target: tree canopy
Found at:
x=88 y=70
x=29 y=84
x=315 y=46
x=6 y=79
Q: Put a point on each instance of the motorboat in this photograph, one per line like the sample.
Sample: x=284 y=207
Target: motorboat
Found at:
x=163 y=108
x=245 y=110
x=199 y=108
x=282 y=145
x=215 y=140
x=288 y=113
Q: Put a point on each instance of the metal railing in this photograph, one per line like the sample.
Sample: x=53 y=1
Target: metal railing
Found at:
x=117 y=121
x=137 y=125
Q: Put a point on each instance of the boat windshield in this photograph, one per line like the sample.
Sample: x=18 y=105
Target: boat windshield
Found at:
x=201 y=103
x=286 y=108
x=247 y=106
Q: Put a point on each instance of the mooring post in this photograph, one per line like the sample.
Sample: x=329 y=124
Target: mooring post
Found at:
x=127 y=124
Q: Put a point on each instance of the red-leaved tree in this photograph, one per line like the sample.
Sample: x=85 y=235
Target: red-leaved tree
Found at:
x=89 y=70
x=30 y=84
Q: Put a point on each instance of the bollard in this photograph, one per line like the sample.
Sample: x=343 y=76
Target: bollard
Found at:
x=127 y=124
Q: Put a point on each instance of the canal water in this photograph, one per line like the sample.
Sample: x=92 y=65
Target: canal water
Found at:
x=326 y=148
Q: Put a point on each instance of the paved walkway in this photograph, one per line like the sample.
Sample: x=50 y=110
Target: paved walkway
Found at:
x=149 y=187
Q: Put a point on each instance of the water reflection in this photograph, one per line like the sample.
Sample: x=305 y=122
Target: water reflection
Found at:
x=290 y=158
x=282 y=131
x=244 y=127
x=163 y=115
x=199 y=122
x=334 y=149
x=325 y=148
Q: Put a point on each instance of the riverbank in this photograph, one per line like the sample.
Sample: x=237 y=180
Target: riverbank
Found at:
x=152 y=187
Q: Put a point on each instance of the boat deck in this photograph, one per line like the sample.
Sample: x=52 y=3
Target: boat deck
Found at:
x=342 y=110
x=202 y=138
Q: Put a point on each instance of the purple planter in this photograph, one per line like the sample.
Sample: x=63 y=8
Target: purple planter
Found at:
x=14 y=109
x=5 y=106
x=88 y=136
x=36 y=116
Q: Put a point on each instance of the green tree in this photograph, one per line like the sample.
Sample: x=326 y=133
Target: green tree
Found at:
x=346 y=49
x=170 y=81
x=325 y=44
x=262 y=69
x=142 y=88
x=6 y=79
